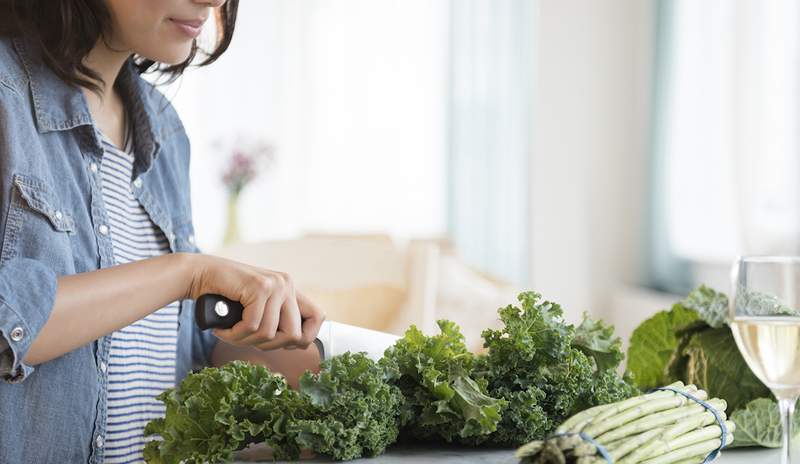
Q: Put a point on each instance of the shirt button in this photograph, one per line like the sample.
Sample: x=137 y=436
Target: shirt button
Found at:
x=103 y=229
x=171 y=236
x=99 y=441
x=17 y=334
x=103 y=367
x=137 y=183
x=59 y=215
x=93 y=167
x=191 y=239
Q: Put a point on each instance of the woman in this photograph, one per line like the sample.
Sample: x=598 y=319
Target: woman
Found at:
x=98 y=264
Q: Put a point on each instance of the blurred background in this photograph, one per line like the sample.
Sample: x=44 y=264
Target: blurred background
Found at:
x=417 y=159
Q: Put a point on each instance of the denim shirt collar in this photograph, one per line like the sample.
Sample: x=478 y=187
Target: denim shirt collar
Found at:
x=59 y=106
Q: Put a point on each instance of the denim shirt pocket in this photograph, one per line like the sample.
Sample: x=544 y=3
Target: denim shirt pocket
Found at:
x=38 y=224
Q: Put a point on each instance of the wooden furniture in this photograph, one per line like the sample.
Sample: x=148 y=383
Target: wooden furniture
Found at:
x=365 y=280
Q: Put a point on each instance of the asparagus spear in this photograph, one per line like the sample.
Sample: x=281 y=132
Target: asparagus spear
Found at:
x=635 y=442
x=529 y=449
x=664 y=446
x=663 y=427
x=683 y=453
x=575 y=423
x=599 y=413
x=552 y=454
x=597 y=429
x=657 y=420
x=698 y=436
x=671 y=432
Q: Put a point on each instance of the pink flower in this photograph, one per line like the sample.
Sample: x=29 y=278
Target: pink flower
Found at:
x=245 y=159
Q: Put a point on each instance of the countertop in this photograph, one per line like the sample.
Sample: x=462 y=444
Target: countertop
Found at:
x=459 y=455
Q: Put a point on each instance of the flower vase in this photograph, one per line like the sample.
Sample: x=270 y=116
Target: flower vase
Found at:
x=232 y=230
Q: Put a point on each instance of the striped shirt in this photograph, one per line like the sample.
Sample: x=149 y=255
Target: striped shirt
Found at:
x=141 y=361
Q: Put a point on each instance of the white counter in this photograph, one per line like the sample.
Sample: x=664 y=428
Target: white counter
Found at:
x=460 y=455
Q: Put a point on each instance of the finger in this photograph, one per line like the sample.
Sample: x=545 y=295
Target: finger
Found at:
x=269 y=322
x=281 y=340
x=291 y=322
x=250 y=323
x=313 y=316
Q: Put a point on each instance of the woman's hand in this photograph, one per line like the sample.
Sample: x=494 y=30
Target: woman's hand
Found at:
x=275 y=315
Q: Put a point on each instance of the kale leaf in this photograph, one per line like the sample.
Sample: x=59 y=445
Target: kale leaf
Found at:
x=217 y=411
x=441 y=399
x=547 y=369
x=346 y=411
x=355 y=411
x=537 y=371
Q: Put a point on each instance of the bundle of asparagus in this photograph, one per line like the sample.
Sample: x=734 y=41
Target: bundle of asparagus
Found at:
x=662 y=427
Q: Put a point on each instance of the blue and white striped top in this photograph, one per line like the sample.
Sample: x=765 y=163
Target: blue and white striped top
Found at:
x=141 y=361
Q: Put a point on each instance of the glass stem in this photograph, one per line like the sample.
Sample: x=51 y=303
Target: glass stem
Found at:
x=787 y=413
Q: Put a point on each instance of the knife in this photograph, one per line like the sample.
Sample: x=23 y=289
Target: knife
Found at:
x=214 y=311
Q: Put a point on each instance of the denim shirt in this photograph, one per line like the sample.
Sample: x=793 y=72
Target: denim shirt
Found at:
x=51 y=213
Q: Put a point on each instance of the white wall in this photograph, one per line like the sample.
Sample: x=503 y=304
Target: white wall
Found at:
x=352 y=94
x=590 y=143
x=352 y=100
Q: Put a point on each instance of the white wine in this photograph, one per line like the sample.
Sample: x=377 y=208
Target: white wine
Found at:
x=771 y=347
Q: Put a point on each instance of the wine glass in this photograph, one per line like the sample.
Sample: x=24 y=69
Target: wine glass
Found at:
x=765 y=320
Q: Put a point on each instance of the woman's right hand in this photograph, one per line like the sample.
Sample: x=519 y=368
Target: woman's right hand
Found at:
x=275 y=315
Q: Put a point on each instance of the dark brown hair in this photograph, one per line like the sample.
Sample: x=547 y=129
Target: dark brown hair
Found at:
x=67 y=30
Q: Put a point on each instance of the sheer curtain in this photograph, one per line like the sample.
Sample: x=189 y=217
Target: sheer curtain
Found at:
x=726 y=150
x=491 y=82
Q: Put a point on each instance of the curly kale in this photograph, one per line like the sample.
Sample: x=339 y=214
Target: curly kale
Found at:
x=217 y=411
x=441 y=399
x=537 y=371
x=546 y=369
x=355 y=411
x=346 y=411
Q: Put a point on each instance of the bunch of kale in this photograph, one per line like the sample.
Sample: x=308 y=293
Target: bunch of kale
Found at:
x=348 y=410
x=537 y=371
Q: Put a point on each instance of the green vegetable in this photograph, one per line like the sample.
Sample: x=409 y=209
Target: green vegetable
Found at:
x=654 y=343
x=692 y=343
x=346 y=411
x=355 y=411
x=596 y=339
x=710 y=305
x=537 y=371
x=661 y=427
x=547 y=369
x=714 y=363
x=759 y=424
x=441 y=399
x=215 y=412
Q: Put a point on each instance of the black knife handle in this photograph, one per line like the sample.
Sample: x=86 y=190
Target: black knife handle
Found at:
x=214 y=311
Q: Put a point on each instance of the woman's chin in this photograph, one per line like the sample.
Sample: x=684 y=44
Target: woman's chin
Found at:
x=171 y=55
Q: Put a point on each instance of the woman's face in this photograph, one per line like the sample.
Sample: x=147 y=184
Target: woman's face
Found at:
x=160 y=30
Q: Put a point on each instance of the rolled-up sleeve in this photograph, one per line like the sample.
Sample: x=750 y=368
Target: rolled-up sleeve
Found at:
x=27 y=295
